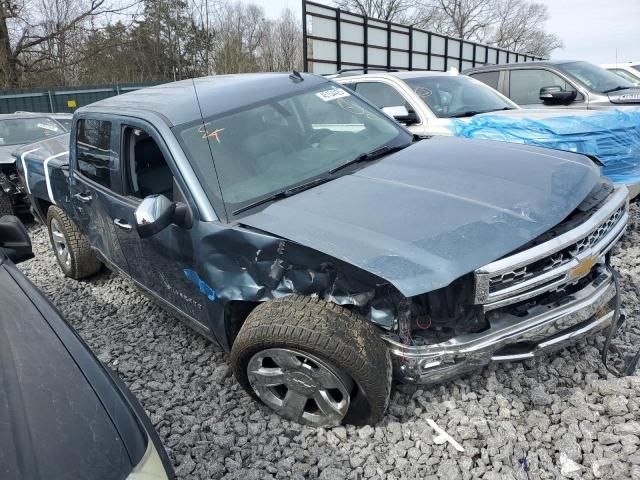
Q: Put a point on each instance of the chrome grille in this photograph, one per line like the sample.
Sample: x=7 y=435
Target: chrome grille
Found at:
x=550 y=265
x=555 y=260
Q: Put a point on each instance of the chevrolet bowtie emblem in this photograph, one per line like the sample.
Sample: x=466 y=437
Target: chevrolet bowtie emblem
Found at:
x=583 y=268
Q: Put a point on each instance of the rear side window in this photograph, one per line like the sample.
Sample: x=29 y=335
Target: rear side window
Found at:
x=93 y=150
x=488 y=78
x=525 y=85
x=382 y=95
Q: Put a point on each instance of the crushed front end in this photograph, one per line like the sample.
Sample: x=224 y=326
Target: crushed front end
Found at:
x=540 y=298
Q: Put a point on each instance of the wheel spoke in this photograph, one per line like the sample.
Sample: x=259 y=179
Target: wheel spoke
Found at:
x=328 y=406
x=57 y=236
x=285 y=359
x=66 y=256
x=266 y=377
x=294 y=403
x=326 y=379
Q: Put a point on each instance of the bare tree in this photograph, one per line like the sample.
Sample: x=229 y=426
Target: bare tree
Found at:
x=391 y=10
x=36 y=34
x=519 y=27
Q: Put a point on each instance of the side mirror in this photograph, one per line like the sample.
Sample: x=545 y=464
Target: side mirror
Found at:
x=556 y=94
x=14 y=239
x=401 y=114
x=154 y=214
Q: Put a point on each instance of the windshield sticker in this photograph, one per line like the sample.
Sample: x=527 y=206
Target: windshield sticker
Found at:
x=332 y=94
x=213 y=134
x=423 y=92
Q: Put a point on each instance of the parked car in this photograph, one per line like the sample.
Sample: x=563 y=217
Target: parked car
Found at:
x=426 y=102
x=629 y=71
x=559 y=84
x=439 y=103
x=63 y=119
x=64 y=414
x=16 y=130
x=303 y=230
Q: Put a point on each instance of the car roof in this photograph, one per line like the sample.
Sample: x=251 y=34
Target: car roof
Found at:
x=177 y=103
x=502 y=66
x=404 y=74
x=10 y=116
x=619 y=64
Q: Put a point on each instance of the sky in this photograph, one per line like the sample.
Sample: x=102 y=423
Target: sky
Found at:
x=591 y=30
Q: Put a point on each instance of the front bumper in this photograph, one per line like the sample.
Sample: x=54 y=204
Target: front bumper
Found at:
x=544 y=328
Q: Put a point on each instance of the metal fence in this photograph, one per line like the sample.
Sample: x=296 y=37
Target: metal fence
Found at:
x=334 y=39
x=61 y=99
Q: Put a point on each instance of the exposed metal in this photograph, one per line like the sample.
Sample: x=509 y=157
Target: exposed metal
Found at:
x=545 y=327
x=300 y=386
x=335 y=39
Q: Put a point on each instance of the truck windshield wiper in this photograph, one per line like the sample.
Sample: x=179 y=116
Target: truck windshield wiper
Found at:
x=471 y=113
x=619 y=87
x=369 y=156
x=287 y=192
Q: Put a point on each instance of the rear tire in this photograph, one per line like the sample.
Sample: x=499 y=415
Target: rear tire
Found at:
x=70 y=246
x=6 y=206
x=297 y=347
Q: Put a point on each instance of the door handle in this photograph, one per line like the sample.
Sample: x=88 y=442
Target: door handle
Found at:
x=83 y=197
x=122 y=224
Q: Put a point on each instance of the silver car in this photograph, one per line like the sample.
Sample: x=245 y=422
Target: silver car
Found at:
x=563 y=84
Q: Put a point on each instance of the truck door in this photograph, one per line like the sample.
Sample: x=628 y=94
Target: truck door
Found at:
x=161 y=263
x=94 y=174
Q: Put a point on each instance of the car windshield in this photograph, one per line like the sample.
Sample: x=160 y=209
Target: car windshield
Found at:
x=455 y=96
x=596 y=78
x=18 y=131
x=633 y=78
x=272 y=146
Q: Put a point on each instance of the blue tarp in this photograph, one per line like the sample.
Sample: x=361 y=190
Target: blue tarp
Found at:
x=612 y=136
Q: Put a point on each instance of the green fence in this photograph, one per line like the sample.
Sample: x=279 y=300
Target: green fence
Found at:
x=60 y=99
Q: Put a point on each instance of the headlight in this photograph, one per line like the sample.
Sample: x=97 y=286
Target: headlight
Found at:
x=150 y=467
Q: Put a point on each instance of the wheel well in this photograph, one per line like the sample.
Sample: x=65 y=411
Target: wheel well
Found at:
x=235 y=313
x=43 y=206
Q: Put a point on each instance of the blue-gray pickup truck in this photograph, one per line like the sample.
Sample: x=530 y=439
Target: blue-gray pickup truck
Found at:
x=287 y=219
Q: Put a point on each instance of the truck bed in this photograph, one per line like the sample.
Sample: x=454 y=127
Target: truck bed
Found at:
x=44 y=168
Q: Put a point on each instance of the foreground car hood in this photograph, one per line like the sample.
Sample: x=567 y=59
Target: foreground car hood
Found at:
x=441 y=208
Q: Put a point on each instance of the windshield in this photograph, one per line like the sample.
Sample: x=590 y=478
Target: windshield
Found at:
x=635 y=79
x=451 y=96
x=18 y=131
x=269 y=147
x=596 y=78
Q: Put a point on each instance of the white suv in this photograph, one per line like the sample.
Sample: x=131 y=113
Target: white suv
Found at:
x=629 y=71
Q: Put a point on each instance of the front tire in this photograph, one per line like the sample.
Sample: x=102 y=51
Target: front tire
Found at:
x=6 y=206
x=71 y=247
x=313 y=362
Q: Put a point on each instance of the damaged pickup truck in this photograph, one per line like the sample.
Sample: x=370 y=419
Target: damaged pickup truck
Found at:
x=290 y=221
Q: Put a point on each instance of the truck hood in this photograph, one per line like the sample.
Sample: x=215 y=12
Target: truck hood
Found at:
x=627 y=96
x=424 y=216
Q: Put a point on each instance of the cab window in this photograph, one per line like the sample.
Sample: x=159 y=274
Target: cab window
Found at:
x=525 y=85
x=488 y=78
x=382 y=95
x=93 y=150
x=147 y=170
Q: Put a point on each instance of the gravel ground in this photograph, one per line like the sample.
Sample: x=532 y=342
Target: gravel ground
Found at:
x=563 y=413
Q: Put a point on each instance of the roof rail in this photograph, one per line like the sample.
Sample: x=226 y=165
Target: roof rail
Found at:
x=355 y=71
